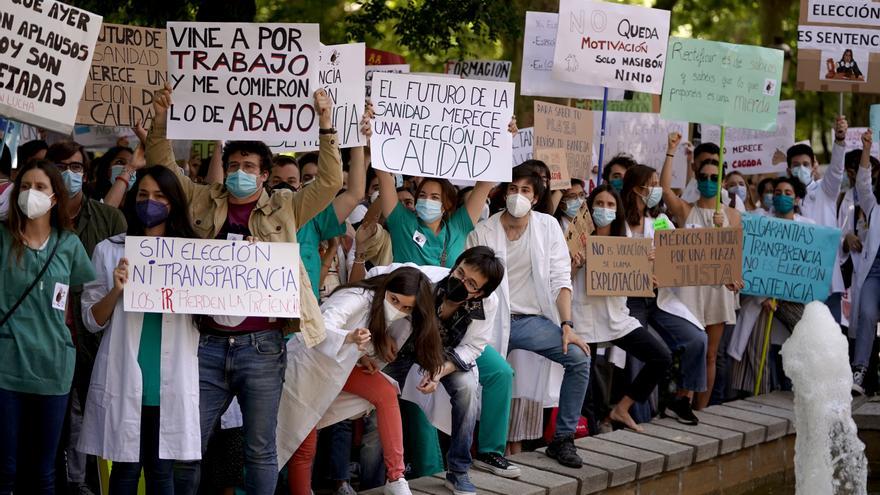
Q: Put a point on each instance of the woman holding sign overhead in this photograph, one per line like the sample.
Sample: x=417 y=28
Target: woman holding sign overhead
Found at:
x=606 y=318
x=714 y=306
x=143 y=403
x=40 y=259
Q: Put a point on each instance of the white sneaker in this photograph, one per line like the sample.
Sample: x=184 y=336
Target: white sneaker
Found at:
x=397 y=487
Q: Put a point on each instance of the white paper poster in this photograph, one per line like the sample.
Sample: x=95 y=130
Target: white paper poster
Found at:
x=611 y=45
x=523 y=148
x=243 y=81
x=46 y=50
x=751 y=152
x=536 y=76
x=371 y=69
x=442 y=127
x=644 y=136
x=212 y=277
x=854 y=140
x=485 y=70
x=341 y=70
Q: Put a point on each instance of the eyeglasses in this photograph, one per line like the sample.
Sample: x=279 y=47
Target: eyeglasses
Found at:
x=75 y=167
x=469 y=283
x=705 y=177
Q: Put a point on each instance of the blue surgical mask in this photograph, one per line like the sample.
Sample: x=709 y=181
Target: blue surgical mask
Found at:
x=767 y=201
x=602 y=217
x=428 y=210
x=115 y=170
x=617 y=184
x=73 y=181
x=803 y=174
x=241 y=184
x=783 y=204
x=573 y=206
x=708 y=188
x=739 y=191
x=655 y=194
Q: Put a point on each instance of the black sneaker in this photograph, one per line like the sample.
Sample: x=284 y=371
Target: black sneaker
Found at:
x=563 y=450
x=680 y=409
x=497 y=464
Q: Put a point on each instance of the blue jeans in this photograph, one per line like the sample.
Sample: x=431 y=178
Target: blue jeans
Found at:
x=869 y=312
x=833 y=303
x=541 y=336
x=372 y=463
x=337 y=438
x=158 y=473
x=681 y=336
x=251 y=368
x=39 y=419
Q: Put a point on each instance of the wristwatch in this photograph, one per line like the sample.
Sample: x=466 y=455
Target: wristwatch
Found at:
x=331 y=130
x=568 y=323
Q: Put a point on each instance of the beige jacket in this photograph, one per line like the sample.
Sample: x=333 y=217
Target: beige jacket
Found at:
x=276 y=218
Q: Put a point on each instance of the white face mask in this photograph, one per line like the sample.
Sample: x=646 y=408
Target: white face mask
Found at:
x=34 y=204
x=374 y=197
x=518 y=205
x=392 y=314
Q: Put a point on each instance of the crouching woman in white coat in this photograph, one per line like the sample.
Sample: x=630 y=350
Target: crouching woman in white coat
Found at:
x=147 y=362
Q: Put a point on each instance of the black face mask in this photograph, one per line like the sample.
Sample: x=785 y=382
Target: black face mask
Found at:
x=455 y=290
x=283 y=185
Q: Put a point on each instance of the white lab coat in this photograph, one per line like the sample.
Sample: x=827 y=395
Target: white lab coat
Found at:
x=864 y=260
x=820 y=204
x=537 y=378
x=112 y=421
x=312 y=395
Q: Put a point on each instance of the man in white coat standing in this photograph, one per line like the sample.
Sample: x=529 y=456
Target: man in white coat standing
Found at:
x=534 y=312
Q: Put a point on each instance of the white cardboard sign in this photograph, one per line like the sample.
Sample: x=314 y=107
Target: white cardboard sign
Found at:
x=645 y=137
x=372 y=69
x=523 y=145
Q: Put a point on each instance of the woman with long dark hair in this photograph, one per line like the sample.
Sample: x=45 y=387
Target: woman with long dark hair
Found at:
x=363 y=329
x=601 y=319
x=40 y=259
x=135 y=415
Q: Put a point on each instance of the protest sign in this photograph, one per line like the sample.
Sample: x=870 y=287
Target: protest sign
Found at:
x=854 y=140
x=372 y=69
x=554 y=158
x=645 y=137
x=568 y=129
x=611 y=45
x=839 y=46
x=579 y=230
x=874 y=121
x=441 y=127
x=128 y=66
x=100 y=138
x=243 y=81
x=486 y=70
x=619 y=266
x=203 y=149
x=536 y=77
x=341 y=70
x=379 y=57
x=46 y=49
x=722 y=84
x=640 y=103
x=689 y=257
x=751 y=152
x=212 y=277
x=522 y=145
x=788 y=260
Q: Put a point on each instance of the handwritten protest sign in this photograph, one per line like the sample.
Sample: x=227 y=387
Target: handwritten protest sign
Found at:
x=752 y=152
x=212 y=277
x=46 y=49
x=522 y=145
x=440 y=127
x=100 y=138
x=554 y=158
x=129 y=64
x=722 y=84
x=791 y=261
x=568 y=129
x=537 y=63
x=579 y=230
x=486 y=70
x=611 y=45
x=619 y=266
x=689 y=257
x=874 y=121
x=243 y=81
x=854 y=140
x=640 y=103
x=645 y=137
x=839 y=46
x=372 y=69
x=341 y=67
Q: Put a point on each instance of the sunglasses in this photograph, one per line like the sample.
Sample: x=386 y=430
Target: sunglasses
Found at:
x=705 y=177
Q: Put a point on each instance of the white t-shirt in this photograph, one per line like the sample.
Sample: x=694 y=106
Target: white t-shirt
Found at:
x=523 y=298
